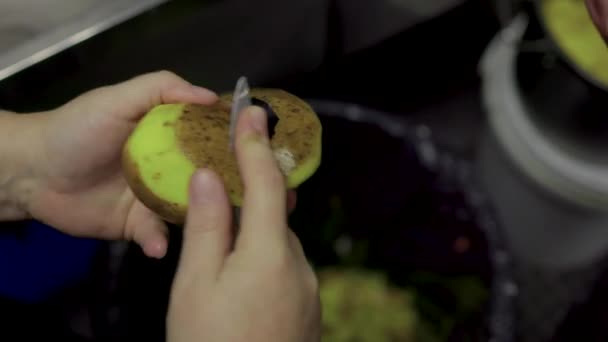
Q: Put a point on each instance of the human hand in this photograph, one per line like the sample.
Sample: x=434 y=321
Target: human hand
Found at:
x=257 y=287
x=79 y=187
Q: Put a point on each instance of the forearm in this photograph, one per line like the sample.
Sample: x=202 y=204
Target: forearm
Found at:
x=17 y=141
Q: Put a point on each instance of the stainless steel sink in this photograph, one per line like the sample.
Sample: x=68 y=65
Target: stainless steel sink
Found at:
x=33 y=30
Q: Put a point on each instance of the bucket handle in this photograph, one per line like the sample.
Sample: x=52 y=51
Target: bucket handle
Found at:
x=507 y=10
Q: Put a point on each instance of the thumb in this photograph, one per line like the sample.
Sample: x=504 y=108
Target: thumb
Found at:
x=207 y=233
x=148 y=90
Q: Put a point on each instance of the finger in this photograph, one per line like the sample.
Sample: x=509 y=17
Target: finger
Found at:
x=149 y=232
x=154 y=244
x=264 y=210
x=149 y=90
x=207 y=233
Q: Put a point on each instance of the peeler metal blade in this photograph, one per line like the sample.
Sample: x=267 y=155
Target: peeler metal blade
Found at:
x=240 y=100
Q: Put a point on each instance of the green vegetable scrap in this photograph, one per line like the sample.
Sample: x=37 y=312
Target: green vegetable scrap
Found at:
x=360 y=305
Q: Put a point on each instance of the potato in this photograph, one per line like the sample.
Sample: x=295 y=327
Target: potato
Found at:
x=173 y=140
x=569 y=23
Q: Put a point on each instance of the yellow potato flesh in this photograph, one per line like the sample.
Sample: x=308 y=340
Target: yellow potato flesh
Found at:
x=153 y=147
x=303 y=171
x=570 y=24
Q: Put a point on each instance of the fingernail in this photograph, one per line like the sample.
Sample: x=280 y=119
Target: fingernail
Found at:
x=257 y=120
x=203 y=92
x=203 y=187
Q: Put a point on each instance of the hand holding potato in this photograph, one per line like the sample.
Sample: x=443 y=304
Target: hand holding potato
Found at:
x=79 y=185
x=257 y=287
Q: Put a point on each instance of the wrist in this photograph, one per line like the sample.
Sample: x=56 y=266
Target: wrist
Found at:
x=19 y=148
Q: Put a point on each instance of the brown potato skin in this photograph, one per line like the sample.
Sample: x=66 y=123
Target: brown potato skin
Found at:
x=170 y=212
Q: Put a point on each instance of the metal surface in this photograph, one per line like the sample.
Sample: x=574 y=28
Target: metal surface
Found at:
x=365 y=23
x=240 y=101
x=51 y=41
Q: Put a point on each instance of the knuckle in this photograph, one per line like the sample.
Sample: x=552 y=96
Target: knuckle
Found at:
x=167 y=76
x=279 y=262
x=200 y=226
x=275 y=176
x=257 y=160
